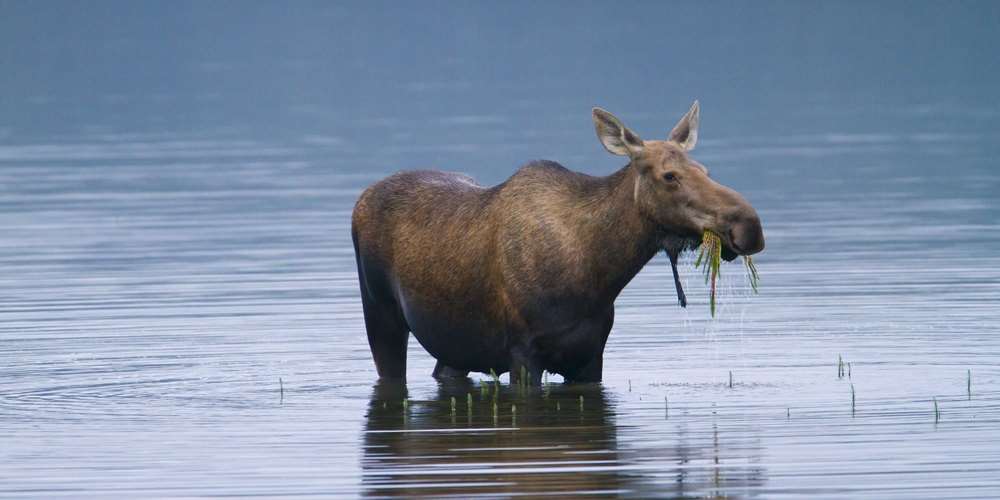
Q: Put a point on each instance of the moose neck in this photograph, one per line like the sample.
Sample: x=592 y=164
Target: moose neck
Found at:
x=623 y=240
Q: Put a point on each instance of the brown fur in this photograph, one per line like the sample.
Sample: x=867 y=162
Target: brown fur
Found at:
x=525 y=274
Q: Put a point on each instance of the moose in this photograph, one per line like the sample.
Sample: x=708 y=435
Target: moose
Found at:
x=522 y=277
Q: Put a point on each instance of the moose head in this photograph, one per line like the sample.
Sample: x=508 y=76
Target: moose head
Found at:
x=676 y=192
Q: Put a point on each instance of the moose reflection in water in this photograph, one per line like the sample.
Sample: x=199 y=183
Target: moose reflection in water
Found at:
x=551 y=443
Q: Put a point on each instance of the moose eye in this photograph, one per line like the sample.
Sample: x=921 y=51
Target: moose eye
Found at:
x=670 y=177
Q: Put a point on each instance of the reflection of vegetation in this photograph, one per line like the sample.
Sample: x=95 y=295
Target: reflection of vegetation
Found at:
x=523 y=440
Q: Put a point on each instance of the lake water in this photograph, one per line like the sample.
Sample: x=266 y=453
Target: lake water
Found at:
x=179 y=314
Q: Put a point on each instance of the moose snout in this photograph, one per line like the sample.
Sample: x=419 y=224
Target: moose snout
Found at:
x=746 y=234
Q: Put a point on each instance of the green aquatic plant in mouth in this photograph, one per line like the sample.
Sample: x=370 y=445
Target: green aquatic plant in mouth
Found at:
x=710 y=261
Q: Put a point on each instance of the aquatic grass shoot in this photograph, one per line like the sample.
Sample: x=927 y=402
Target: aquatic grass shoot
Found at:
x=937 y=411
x=843 y=368
x=853 y=400
x=968 y=384
x=710 y=261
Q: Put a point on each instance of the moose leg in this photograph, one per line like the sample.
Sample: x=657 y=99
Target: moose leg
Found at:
x=593 y=369
x=524 y=370
x=387 y=334
x=442 y=371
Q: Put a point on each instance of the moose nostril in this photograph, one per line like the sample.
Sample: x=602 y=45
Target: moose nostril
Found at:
x=734 y=238
x=747 y=235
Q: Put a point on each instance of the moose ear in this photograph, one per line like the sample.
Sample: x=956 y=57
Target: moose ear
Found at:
x=685 y=133
x=615 y=137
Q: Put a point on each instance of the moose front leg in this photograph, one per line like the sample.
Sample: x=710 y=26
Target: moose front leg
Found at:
x=592 y=372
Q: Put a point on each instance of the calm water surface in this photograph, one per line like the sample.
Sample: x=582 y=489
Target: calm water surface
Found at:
x=179 y=314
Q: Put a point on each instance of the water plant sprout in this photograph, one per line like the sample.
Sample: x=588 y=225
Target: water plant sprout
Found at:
x=852 y=400
x=710 y=260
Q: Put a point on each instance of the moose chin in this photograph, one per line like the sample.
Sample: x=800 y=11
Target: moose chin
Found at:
x=523 y=276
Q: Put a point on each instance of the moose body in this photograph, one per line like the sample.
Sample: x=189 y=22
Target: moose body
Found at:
x=522 y=276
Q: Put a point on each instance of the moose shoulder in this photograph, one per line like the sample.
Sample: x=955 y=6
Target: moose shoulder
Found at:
x=522 y=276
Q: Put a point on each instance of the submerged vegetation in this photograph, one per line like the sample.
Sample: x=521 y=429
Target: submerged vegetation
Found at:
x=710 y=261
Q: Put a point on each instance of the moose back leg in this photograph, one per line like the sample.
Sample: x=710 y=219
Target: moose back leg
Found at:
x=387 y=337
x=442 y=371
x=388 y=333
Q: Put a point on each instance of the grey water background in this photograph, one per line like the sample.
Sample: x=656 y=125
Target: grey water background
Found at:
x=176 y=181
